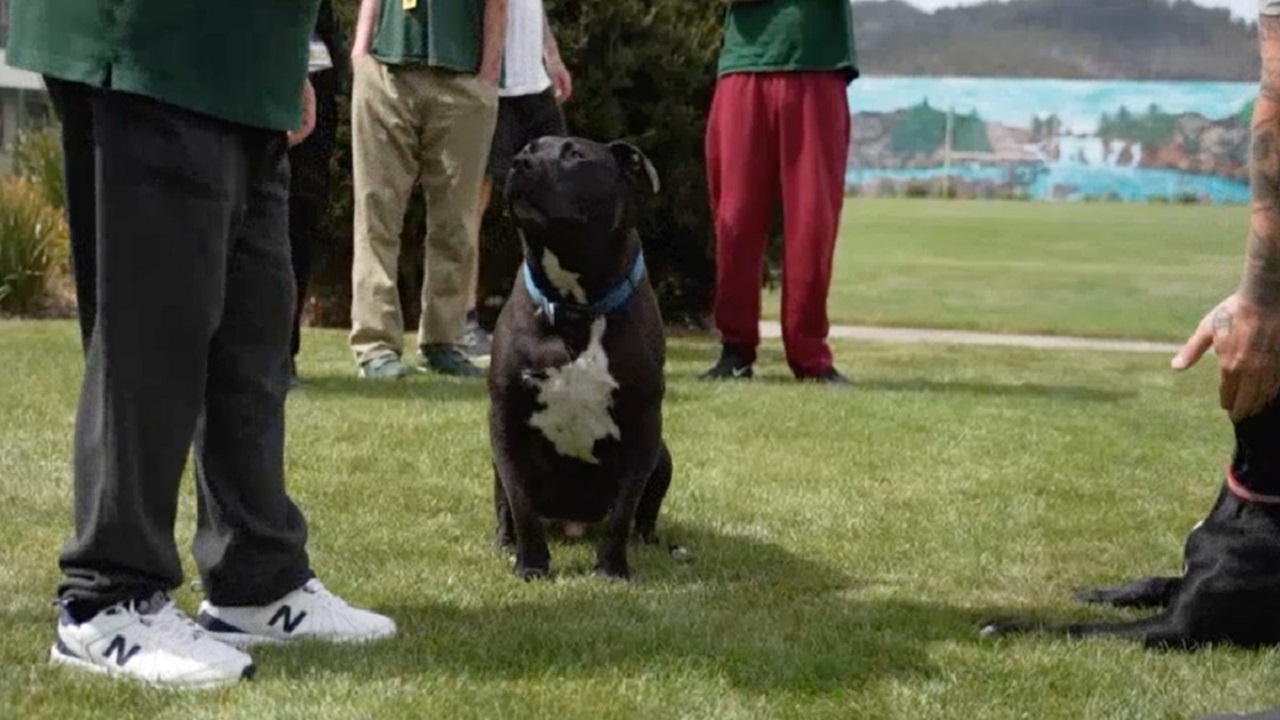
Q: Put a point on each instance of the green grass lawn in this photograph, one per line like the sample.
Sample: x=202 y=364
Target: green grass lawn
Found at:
x=845 y=545
x=1110 y=270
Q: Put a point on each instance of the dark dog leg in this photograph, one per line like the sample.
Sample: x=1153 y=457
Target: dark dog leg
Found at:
x=651 y=502
x=533 y=558
x=1150 y=592
x=1159 y=631
x=506 y=534
x=611 y=554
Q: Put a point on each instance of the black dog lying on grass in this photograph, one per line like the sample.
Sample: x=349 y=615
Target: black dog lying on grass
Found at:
x=1229 y=589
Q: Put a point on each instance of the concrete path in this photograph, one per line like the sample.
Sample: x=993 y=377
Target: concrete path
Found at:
x=771 y=329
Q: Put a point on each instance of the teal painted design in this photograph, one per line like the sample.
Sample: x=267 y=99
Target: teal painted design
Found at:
x=1052 y=139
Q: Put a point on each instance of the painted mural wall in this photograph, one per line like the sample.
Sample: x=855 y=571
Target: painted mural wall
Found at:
x=1051 y=139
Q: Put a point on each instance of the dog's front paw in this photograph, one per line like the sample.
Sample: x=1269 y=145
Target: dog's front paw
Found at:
x=532 y=572
x=532 y=566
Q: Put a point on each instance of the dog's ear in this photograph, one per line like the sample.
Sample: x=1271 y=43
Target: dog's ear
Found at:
x=635 y=165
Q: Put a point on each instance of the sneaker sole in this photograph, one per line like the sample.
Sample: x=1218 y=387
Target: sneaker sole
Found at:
x=246 y=641
x=394 y=376
x=57 y=657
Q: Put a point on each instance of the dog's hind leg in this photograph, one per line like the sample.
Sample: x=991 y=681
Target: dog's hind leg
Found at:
x=1149 y=592
x=655 y=490
x=1159 y=631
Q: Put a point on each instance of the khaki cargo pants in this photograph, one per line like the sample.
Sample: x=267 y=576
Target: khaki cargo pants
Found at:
x=410 y=124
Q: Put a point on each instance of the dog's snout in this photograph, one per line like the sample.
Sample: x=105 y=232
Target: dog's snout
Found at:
x=523 y=162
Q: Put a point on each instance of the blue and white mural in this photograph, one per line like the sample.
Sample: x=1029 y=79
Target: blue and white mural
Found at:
x=1052 y=139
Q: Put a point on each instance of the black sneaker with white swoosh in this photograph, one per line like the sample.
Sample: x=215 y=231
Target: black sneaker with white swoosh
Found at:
x=732 y=365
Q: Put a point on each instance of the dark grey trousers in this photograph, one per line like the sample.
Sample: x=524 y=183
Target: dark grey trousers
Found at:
x=179 y=231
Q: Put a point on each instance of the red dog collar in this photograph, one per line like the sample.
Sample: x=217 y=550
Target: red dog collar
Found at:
x=1246 y=494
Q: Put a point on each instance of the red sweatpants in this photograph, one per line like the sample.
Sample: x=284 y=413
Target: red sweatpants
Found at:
x=770 y=137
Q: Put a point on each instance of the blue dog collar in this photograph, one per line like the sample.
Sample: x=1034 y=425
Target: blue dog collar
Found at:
x=613 y=300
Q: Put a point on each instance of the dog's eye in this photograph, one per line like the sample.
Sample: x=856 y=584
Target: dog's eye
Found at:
x=569 y=152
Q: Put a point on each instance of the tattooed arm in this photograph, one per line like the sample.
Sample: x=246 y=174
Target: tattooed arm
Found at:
x=1262 y=269
x=1244 y=329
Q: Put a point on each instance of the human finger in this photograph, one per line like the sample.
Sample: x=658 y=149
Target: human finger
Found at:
x=1195 y=347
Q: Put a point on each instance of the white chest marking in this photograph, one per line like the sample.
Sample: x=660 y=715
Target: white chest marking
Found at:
x=577 y=399
x=566 y=282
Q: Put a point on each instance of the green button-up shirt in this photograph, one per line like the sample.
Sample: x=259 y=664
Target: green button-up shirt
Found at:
x=240 y=60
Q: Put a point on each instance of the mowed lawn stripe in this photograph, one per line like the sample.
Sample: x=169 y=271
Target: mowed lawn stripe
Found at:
x=1091 y=269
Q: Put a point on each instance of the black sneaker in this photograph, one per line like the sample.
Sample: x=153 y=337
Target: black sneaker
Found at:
x=448 y=360
x=830 y=376
x=732 y=365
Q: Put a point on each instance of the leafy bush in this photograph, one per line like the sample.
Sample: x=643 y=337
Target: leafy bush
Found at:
x=37 y=155
x=30 y=234
x=643 y=71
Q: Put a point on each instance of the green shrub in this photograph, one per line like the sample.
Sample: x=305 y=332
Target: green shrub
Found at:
x=37 y=155
x=31 y=235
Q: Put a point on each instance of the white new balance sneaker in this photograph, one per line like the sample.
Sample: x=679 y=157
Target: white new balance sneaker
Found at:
x=150 y=640
x=309 y=613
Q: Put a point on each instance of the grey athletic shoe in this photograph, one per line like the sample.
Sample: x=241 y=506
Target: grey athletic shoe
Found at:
x=383 y=367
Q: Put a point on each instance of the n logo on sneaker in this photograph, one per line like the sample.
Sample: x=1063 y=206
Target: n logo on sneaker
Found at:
x=286 y=619
x=122 y=656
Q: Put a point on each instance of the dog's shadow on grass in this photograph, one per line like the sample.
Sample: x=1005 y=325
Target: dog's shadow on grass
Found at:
x=743 y=611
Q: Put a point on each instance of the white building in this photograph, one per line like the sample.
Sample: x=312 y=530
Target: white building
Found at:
x=23 y=100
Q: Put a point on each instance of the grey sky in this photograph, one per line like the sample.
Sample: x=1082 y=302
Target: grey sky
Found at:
x=1240 y=8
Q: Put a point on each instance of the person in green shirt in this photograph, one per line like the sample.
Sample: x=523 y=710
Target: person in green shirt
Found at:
x=424 y=103
x=778 y=133
x=177 y=187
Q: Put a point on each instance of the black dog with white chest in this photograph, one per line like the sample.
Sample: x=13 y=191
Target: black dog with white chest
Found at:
x=1229 y=590
x=576 y=376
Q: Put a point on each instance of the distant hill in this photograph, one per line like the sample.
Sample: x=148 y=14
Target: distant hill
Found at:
x=1075 y=39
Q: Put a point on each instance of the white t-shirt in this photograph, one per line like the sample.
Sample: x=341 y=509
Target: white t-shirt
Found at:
x=319 y=57
x=523 y=72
